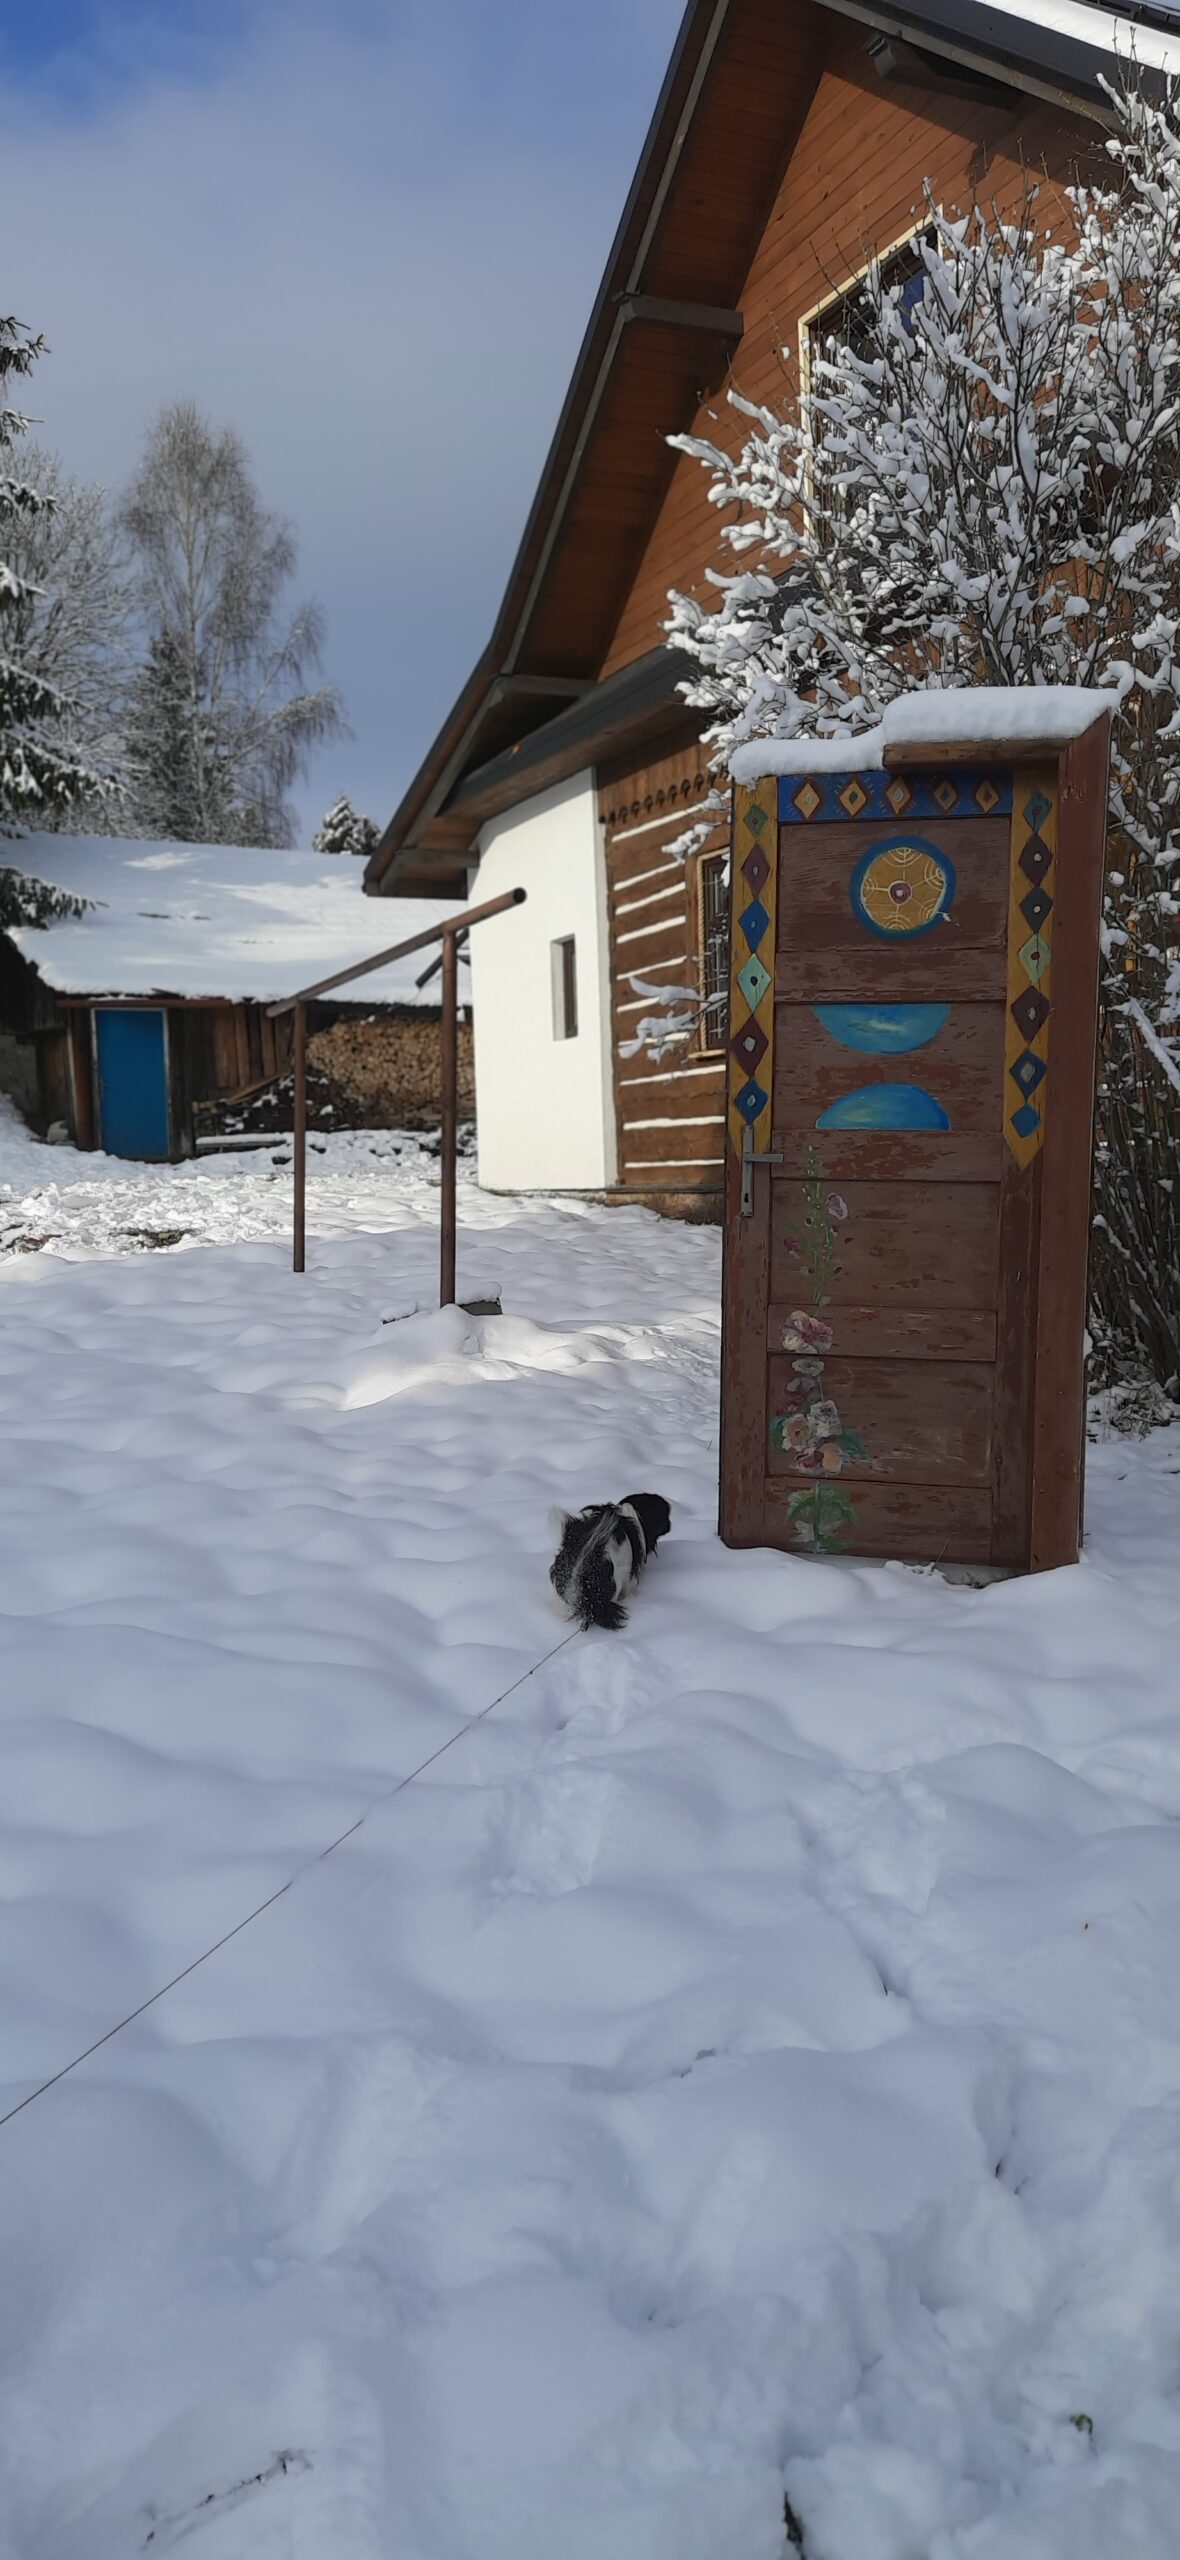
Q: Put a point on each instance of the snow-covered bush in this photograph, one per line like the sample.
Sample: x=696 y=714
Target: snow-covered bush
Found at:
x=344 y=830
x=986 y=489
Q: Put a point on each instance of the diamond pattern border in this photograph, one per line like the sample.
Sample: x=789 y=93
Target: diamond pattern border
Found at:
x=755 y=905
x=817 y=799
x=1029 y=1014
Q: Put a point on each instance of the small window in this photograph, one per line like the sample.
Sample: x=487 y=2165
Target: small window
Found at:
x=713 y=930
x=849 y=315
x=850 y=318
x=565 y=989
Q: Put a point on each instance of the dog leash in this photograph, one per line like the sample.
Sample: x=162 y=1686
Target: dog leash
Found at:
x=315 y=1860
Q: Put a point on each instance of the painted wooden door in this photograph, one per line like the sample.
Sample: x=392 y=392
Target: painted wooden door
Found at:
x=898 y=1055
x=131 y=1052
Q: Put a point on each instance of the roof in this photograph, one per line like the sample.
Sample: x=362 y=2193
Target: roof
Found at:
x=662 y=332
x=229 y=921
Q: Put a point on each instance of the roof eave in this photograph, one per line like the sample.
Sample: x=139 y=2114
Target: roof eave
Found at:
x=1023 y=55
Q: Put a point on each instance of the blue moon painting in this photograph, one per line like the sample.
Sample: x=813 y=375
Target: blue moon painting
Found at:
x=885 y=1106
x=887 y=1030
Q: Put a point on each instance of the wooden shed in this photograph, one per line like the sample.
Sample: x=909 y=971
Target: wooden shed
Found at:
x=910 y=1102
x=134 y=1019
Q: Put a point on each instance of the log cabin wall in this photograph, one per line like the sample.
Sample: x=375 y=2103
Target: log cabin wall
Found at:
x=670 y=1112
x=852 y=189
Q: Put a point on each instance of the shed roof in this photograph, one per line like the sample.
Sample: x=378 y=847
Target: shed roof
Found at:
x=210 y=920
x=662 y=332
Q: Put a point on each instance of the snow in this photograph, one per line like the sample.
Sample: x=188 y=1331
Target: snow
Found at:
x=1092 y=22
x=234 y=921
x=749 y=2056
x=1005 y=714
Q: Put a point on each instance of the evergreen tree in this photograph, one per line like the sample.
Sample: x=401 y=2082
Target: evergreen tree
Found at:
x=41 y=775
x=74 y=624
x=163 y=767
x=345 y=831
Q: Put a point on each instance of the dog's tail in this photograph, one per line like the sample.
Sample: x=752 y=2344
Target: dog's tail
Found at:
x=591 y=1587
x=594 y=1602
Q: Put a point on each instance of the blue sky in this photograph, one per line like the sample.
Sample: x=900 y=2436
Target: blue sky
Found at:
x=366 y=234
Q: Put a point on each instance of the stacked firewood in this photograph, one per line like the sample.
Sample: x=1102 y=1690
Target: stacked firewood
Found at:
x=389 y=1066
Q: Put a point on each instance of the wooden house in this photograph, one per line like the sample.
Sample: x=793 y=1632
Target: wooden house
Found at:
x=791 y=144
x=143 y=1014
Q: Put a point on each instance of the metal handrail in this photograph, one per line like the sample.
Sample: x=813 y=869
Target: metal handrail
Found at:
x=447 y=934
x=401 y=950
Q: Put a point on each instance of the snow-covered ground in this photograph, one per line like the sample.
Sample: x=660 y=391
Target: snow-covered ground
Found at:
x=750 y=2056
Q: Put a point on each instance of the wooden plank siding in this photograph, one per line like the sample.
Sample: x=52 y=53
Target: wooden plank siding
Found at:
x=669 y=1112
x=903 y=1354
x=852 y=187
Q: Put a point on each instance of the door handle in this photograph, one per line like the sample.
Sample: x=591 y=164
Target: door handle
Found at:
x=749 y=1162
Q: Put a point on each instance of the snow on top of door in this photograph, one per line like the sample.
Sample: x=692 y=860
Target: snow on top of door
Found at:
x=233 y=921
x=1003 y=714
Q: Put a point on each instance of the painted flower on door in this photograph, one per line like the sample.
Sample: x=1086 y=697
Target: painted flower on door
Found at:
x=811 y=1433
x=803 y=1332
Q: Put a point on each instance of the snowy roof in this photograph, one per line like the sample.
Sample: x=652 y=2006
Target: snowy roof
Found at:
x=233 y=921
x=1051 y=714
x=1102 y=22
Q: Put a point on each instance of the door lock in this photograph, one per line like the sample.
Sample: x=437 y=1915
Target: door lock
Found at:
x=750 y=1162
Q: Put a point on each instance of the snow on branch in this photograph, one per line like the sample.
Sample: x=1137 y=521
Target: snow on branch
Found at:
x=977 y=487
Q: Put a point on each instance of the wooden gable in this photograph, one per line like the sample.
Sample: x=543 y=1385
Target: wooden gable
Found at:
x=852 y=189
x=790 y=143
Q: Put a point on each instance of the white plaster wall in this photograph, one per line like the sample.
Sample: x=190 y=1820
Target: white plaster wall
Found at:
x=545 y=1106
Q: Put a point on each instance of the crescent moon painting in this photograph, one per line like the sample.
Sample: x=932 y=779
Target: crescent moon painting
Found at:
x=886 y=1030
x=885 y=1106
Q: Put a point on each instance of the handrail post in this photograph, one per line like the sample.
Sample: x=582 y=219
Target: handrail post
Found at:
x=447 y=936
x=449 y=1115
x=299 y=1146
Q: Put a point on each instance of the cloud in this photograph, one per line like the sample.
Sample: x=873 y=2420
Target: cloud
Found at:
x=370 y=247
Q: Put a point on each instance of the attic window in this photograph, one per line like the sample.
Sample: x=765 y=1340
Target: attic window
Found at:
x=848 y=315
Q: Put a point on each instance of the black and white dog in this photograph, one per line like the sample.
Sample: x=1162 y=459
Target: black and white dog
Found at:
x=603 y=1552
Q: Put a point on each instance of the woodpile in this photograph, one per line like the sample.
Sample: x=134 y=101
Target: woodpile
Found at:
x=389 y=1066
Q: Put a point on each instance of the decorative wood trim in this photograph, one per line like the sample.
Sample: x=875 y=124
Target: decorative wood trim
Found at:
x=753 y=926
x=754 y=867
x=1028 y=1011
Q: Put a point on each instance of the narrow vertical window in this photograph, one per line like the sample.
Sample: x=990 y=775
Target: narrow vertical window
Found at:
x=713 y=919
x=565 y=989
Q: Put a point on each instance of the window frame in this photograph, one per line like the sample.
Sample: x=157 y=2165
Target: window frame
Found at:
x=836 y=295
x=563 y=981
x=712 y=1038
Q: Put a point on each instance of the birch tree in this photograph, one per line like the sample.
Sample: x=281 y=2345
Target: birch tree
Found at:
x=213 y=564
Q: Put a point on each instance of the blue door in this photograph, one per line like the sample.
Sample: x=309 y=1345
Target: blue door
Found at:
x=132 y=1081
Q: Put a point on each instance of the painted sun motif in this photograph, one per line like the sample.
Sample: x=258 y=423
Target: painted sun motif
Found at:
x=903 y=887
